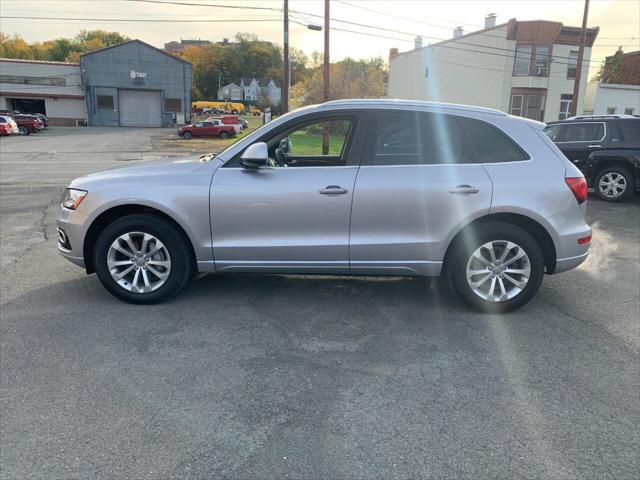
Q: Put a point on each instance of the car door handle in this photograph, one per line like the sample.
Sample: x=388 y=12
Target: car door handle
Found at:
x=333 y=190
x=464 y=189
x=595 y=146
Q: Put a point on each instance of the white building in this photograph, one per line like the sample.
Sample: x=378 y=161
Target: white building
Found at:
x=51 y=88
x=257 y=89
x=524 y=68
x=230 y=91
x=611 y=98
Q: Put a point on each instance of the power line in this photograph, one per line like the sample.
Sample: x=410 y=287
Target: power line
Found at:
x=148 y=20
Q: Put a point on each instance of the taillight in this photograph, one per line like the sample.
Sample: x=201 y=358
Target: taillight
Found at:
x=578 y=186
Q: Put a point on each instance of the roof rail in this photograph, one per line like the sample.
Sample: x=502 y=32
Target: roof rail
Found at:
x=387 y=102
x=600 y=117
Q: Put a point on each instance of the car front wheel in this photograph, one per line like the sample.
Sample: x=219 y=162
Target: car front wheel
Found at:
x=187 y=135
x=496 y=267
x=22 y=130
x=143 y=258
x=614 y=184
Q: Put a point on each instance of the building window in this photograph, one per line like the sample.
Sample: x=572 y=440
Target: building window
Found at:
x=611 y=110
x=173 y=104
x=541 y=62
x=426 y=72
x=628 y=111
x=523 y=60
x=532 y=60
x=529 y=105
x=516 y=105
x=25 y=80
x=105 y=102
x=572 y=64
x=565 y=106
x=535 y=105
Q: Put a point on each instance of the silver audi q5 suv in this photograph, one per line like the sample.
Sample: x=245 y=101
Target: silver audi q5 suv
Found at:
x=350 y=187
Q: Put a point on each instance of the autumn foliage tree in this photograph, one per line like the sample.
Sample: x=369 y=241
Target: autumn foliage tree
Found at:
x=349 y=78
x=60 y=49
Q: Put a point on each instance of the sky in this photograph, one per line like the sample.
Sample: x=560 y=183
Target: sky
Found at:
x=619 y=21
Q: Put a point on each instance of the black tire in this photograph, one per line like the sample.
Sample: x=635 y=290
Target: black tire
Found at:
x=22 y=130
x=187 y=135
x=176 y=243
x=472 y=239
x=224 y=135
x=628 y=179
x=234 y=112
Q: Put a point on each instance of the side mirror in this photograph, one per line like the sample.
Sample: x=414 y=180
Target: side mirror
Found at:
x=255 y=156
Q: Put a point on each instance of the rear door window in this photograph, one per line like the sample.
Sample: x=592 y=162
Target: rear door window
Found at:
x=491 y=145
x=419 y=138
x=583 y=132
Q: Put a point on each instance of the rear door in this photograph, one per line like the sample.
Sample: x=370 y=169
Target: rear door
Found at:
x=579 y=139
x=418 y=183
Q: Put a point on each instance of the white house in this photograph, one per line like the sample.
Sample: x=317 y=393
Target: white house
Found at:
x=524 y=68
x=256 y=89
x=230 y=91
x=51 y=88
x=611 y=98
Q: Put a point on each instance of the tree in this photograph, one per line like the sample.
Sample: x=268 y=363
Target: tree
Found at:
x=60 y=49
x=349 y=79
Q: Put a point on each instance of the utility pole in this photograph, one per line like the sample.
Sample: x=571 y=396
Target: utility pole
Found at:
x=325 y=130
x=285 y=66
x=583 y=40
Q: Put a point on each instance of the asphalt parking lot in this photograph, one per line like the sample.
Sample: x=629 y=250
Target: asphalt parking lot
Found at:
x=247 y=376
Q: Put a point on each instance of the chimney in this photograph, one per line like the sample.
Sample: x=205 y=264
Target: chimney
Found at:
x=490 y=21
x=393 y=52
x=418 y=42
x=457 y=32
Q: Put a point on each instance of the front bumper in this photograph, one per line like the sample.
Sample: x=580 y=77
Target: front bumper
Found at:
x=71 y=234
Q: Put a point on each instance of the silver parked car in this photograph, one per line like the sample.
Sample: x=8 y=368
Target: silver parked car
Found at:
x=353 y=187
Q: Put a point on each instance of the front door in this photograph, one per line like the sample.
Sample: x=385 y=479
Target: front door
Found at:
x=292 y=215
x=420 y=181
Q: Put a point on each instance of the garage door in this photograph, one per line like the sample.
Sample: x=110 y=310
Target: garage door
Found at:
x=139 y=108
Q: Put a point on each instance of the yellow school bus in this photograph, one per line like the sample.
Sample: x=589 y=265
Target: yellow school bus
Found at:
x=231 y=107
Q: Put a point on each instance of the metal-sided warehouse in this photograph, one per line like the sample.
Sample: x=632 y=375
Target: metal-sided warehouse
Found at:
x=136 y=85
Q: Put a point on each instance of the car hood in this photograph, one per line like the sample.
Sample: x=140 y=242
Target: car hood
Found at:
x=134 y=173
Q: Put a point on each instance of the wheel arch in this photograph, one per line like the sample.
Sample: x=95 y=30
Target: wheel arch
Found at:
x=531 y=226
x=601 y=163
x=113 y=213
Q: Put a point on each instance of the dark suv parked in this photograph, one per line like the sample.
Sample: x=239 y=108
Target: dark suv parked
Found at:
x=606 y=148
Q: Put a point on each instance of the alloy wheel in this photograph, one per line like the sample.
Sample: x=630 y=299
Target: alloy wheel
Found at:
x=612 y=185
x=138 y=262
x=498 y=271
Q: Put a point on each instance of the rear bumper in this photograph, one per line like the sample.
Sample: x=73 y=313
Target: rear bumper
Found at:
x=564 y=264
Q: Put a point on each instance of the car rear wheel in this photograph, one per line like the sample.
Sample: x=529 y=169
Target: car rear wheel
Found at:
x=614 y=184
x=22 y=130
x=143 y=258
x=496 y=268
x=187 y=135
x=224 y=135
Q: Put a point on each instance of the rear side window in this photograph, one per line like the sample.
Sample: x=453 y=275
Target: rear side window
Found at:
x=583 y=132
x=2 y=120
x=629 y=130
x=419 y=138
x=491 y=145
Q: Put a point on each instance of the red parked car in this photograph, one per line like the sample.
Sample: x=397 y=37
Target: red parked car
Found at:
x=28 y=124
x=207 y=129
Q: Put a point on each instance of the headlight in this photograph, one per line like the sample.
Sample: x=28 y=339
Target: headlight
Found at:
x=73 y=198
